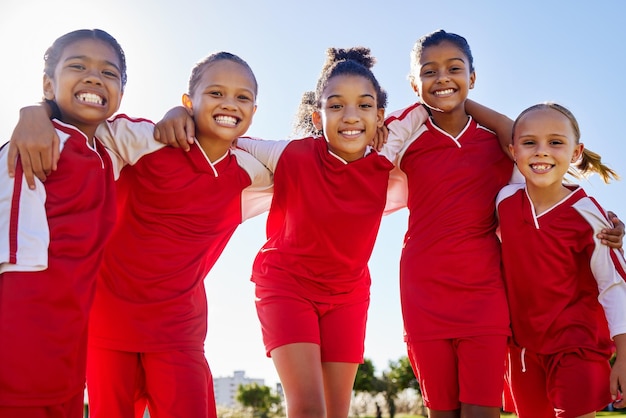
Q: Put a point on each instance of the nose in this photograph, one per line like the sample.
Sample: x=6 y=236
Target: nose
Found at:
x=229 y=103
x=443 y=77
x=542 y=150
x=93 y=77
x=350 y=114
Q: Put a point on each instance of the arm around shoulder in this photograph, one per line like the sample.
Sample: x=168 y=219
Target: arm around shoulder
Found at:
x=501 y=124
x=35 y=140
x=267 y=152
x=129 y=138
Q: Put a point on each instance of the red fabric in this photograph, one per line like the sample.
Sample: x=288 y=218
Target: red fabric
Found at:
x=286 y=318
x=171 y=384
x=563 y=385
x=43 y=315
x=176 y=215
x=323 y=222
x=450 y=279
x=553 y=295
x=463 y=370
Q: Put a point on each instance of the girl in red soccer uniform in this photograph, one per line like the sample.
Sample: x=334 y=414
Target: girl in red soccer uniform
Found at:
x=311 y=276
x=53 y=236
x=566 y=291
x=453 y=302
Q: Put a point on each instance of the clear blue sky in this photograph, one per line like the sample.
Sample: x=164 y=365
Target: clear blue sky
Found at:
x=524 y=52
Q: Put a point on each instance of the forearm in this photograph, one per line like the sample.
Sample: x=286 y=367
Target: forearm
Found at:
x=35 y=140
x=267 y=152
x=501 y=124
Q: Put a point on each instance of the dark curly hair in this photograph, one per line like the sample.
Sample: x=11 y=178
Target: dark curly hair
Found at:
x=339 y=61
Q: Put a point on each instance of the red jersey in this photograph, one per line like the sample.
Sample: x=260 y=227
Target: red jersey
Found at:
x=450 y=279
x=558 y=275
x=51 y=247
x=323 y=220
x=176 y=213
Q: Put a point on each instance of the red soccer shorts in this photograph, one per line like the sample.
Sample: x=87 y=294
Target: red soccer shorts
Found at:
x=466 y=370
x=288 y=318
x=561 y=385
x=171 y=383
x=70 y=409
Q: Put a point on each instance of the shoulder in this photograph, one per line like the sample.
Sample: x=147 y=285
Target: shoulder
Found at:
x=416 y=110
x=509 y=191
x=591 y=211
x=246 y=160
x=304 y=146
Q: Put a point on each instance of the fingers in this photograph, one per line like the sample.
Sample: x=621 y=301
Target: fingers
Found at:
x=31 y=167
x=613 y=237
x=380 y=139
x=190 y=128
x=11 y=159
x=176 y=131
x=163 y=133
x=56 y=151
x=181 y=133
x=385 y=133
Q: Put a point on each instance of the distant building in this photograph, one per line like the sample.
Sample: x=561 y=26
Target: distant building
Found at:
x=226 y=388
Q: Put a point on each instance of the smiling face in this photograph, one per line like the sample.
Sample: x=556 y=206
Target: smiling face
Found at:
x=443 y=77
x=349 y=115
x=222 y=102
x=86 y=85
x=544 y=146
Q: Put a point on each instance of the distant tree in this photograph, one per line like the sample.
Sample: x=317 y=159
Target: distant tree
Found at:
x=365 y=380
x=390 y=392
x=402 y=374
x=258 y=398
x=397 y=378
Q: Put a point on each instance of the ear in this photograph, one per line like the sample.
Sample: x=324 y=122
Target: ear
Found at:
x=578 y=152
x=316 y=117
x=512 y=151
x=472 y=79
x=415 y=87
x=48 y=88
x=380 y=117
x=188 y=103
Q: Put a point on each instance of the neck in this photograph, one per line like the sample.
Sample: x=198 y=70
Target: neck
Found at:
x=452 y=122
x=89 y=131
x=214 y=149
x=544 y=198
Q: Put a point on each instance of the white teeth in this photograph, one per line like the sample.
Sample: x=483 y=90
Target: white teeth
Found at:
x=541 y=167
x=444 y=92
x=90 y=98
x=226 y=120
x=351 y=132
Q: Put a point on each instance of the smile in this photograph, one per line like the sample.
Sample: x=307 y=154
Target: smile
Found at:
x=226 y=120
x=90 y=98
x=351 y=132
x=541 y=167
x=444 y=92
